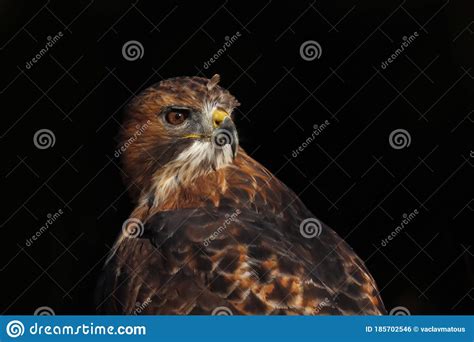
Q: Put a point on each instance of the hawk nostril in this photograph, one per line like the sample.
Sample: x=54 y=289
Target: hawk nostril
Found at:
x=218 y=116
x=217 y=122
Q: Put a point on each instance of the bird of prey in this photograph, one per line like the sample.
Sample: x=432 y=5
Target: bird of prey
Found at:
x=213 y=231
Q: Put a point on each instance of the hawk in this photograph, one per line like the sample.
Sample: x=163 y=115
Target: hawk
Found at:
x=213 y=231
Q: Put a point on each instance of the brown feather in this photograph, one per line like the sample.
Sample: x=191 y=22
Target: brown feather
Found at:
x=228 y=238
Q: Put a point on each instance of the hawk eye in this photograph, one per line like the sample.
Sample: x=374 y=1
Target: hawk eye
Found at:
x=176 y=116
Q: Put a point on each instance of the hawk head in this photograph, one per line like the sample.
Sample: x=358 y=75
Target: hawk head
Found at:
x=177 y=130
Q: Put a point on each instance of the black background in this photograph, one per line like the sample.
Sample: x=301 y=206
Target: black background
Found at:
x=350 y=176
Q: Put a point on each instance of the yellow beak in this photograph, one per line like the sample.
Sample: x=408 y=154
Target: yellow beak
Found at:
x=218 y=116
x=193 y=136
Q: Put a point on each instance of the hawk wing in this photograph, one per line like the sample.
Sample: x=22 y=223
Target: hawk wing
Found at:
x=222 y=260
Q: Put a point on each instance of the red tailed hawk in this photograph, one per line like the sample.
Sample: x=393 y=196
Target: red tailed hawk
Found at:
x=213 y=231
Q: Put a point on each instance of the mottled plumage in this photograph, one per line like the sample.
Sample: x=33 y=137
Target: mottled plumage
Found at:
x=220 y=233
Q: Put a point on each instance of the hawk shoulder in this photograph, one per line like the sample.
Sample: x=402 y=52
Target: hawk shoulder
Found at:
x=192 y=261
